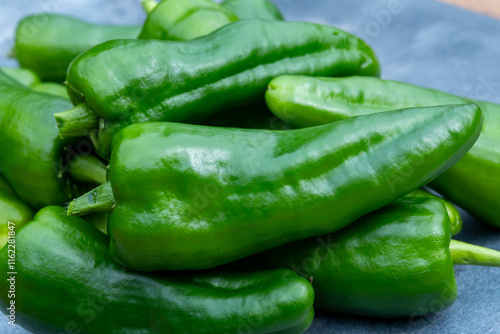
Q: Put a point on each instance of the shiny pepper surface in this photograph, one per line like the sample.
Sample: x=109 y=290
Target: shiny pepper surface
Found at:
x=132 y=81
x=91 y=293
x=473 y=183
x=194 y=197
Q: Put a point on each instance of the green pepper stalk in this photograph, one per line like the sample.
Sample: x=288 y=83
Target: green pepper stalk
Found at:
x=473 y=183
x=227 y=70
x=395 y=262
x=187 y=197
x=91 y=293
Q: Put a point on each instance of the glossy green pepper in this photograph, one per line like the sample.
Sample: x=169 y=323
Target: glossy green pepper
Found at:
x=90 y=293
x=22 y=75
x=253 y=9
x=473 y=184
x=395 y=262
x=182 y=20
x=194 y=197
x=47 y=43
x=191 y=81
x=453 y=214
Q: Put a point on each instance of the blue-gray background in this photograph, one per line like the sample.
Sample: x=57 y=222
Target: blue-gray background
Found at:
x=422 y=42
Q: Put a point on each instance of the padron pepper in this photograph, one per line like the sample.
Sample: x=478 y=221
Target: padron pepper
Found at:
x=122 y=82
x=47 y=43
x=33 y=157
x=182 y=20
x=394 y=262
x=253 y=9
x=473 y=184
x=67 y=281
x=13 y=212
x=187 y=197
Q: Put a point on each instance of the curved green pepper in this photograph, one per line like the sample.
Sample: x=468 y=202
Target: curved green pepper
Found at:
x=22 y=75
x=181 y=20
x=453 y=214
x=191 y=81
x=194 y=197
x=253 y=9
x=395 y=262
x=69 y=258
x=473 y=184
x=47 y=43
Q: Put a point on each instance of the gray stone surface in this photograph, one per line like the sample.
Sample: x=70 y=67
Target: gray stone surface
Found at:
x=422 y=42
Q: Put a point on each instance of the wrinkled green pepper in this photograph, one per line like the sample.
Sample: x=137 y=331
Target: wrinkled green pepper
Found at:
x=200 y=196
x=67 y=281
x=191 y=81
x=395 y=262
x=22 y=75
x=474 y=183
x=12 y=210
x=253 y=9
x=181 y=20
x=47 y=43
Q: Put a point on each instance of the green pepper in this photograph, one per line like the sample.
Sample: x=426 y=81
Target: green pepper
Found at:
x=47 y=43
x=194 y=197
x=51 y=88
x=453 y=214
x=13 y=211
x=191 y=81
x=181 y=20
x=473 y=184
x=253 y=9
x=23 y=76
x=33 y=157
x=395 y=262
x=90 y=293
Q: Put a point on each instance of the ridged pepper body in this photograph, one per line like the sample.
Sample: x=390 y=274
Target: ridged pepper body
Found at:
x=253 y=9
x=473 y=183
x=133 y=81
x=394 y=262
x=67 y=280
x=47 y=43
x=182 y=20
x=31 y=154
x=194 y=197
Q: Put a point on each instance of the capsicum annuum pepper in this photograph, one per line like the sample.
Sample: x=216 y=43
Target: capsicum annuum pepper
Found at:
x=395 y=262
x=66 y=280
x=187 y=197
x=473 y=183
x=190 y=81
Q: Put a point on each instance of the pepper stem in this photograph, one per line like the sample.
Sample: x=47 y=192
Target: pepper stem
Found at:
x=464 y=253
x=149 y=5
x=76 y=122
x=100 y=199
x=87 y=168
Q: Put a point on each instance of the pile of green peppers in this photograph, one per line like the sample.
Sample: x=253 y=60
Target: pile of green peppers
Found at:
x=221 y=170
